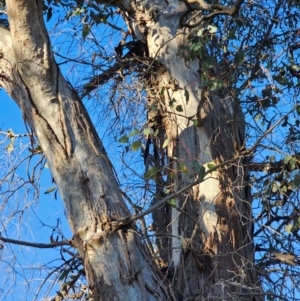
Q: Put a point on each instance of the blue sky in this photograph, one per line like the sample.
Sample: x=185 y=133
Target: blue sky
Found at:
x=36 y=225
x=33 y=225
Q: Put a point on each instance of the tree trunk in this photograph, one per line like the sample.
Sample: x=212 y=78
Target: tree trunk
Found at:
x=116 y=265
x=205 y=238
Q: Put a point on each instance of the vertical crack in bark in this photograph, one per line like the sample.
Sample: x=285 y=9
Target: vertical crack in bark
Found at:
x=47 y=128
x=67 y=141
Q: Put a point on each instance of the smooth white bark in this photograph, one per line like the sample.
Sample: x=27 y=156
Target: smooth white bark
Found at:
x=116 y=265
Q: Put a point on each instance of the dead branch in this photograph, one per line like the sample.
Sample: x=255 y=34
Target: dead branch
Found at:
x=35 y=245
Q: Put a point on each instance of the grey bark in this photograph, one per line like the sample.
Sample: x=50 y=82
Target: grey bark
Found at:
x=116 y=265
x=205 y=240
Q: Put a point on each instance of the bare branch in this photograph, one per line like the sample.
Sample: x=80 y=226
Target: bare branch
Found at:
x=102 y=78
x=215 y=8
x=36 y=245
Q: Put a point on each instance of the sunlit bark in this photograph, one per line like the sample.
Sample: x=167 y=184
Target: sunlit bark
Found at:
x=205 y=240
x=116 y=265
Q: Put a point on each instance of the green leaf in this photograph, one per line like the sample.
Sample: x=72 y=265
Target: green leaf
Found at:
x=172 y=202
x=151 y=173
x=77 y=11
x=212 y=29
x=196 y=47
x=239 y=58
x=153 y=107
x=288 y=228
x=12 y=137
x=124 y=139
x=275 y=186
x=201 y=174
x=296 y=182
x=258 y=117
x=216 y=85
x=10 y=147
x=195 y=121
x=156 y=133
x=272 y=159
x=147 y=131
x=50 y=190
x=298 y=109
x=287 y=159
x=183 y=168
x=200 y=33
x=85 y=30
x=196 y=166
x=282 y=80
x=135 y=145
x=172 y=174
x=166 y=143
x=211 y=166
x=208 y=63
x=292 y=163
x=134 y=133
x=167 y=191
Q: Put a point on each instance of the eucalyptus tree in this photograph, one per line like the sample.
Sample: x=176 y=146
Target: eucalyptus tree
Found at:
x=200 y=67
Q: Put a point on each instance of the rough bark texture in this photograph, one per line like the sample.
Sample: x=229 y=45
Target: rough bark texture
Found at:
x=205 y=240
x=117 y=267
